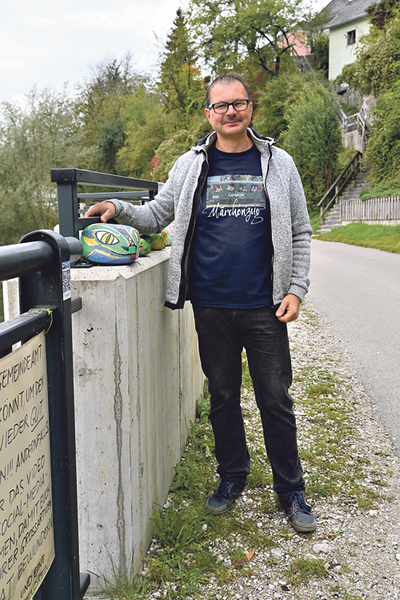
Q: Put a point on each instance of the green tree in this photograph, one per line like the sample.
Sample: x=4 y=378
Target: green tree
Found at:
x=146 y=126
x=275 y=99
x=321 y=49
x=181 y=84
x=247 y=35
x=100 y=104
x=313 y=139
x=33 y=139
x=383 y=148
x=173 y=147
x=381 y=12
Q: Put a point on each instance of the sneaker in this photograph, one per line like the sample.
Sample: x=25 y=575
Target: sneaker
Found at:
x=224 y=497
x=298 y=511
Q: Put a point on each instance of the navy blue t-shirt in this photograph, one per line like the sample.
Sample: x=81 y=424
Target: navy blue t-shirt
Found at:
x=231 y=256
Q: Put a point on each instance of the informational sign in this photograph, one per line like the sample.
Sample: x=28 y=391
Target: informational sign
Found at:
x=26 y=511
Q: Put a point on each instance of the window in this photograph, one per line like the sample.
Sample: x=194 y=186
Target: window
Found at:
x=351 y=37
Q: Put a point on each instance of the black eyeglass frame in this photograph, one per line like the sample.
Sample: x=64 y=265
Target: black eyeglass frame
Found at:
x=230 y=104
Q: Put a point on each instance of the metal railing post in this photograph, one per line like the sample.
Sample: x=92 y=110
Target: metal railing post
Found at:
x=68 y=209
x=50 y=288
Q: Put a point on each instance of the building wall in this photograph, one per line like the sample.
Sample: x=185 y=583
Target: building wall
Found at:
x=340 y=53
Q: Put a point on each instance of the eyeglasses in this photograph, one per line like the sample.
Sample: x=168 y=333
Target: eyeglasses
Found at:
x=222 y=107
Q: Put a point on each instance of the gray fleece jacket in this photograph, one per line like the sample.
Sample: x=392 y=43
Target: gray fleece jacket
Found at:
x=178 y=199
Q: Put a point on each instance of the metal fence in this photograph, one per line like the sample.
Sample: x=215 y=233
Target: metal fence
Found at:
x=69 y=198
x=41 y=260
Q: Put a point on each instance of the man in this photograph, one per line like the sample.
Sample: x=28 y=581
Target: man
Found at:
x=242 y=258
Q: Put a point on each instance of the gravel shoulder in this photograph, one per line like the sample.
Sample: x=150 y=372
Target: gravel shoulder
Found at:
x=360 y=548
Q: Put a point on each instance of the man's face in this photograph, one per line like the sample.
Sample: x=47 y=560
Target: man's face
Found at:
x=232 y=124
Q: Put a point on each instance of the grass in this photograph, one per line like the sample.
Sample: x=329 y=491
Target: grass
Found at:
x=387 y=187
x=380 y=237
x=315 y=221
x=126 y=586
x=303 y=569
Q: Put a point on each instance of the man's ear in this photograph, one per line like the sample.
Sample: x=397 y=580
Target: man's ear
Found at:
x=207 y=113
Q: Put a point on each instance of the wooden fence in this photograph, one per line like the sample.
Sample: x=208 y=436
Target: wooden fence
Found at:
x=375 y=209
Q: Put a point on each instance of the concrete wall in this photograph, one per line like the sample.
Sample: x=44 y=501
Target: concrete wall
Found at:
x=137 y=376
x=352 y=139
x=341 y=54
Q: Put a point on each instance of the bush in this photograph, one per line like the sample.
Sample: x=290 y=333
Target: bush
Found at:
x=383 y=149
x=313 y=139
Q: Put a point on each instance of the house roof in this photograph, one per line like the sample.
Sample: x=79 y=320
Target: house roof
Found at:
x=342 y=11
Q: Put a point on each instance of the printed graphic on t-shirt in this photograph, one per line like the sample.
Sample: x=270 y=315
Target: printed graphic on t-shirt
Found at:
x=235 y=190
x=240 y=196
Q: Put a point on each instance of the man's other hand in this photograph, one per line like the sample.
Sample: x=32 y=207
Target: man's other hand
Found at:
x=106 y=210
x=289 y=309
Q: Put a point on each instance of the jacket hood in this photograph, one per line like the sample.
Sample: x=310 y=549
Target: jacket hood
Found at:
x=205 y=142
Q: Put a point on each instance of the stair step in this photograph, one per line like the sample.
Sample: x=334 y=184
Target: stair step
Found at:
x=352 y=193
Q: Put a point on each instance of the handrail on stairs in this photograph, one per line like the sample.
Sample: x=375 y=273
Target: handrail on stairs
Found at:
x=354 y=122
x=331 y=197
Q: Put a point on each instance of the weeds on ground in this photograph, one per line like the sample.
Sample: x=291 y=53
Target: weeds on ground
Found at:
x=326 y=442
x=124 y=586
x=339 y=592
x=203 y=408
x=303 y=569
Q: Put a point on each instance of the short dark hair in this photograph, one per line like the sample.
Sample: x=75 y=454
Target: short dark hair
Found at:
x=227 y=78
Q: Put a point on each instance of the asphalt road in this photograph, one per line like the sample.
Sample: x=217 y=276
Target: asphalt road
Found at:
x=358 y=291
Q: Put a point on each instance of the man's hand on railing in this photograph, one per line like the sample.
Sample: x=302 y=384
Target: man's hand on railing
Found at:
x=106 y=210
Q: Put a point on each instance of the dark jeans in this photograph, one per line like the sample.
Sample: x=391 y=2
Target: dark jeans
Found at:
x=222 y=333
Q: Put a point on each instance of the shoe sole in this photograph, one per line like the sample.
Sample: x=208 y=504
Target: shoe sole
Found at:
x=304 y=528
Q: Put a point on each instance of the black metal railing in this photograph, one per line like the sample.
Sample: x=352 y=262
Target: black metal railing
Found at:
x=41 y=260
x=70 y=219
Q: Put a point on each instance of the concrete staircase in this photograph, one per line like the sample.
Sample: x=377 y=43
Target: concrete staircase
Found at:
x=332 y=220
x=352 y=192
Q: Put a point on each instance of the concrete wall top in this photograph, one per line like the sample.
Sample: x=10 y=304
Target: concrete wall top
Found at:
x=111 y=273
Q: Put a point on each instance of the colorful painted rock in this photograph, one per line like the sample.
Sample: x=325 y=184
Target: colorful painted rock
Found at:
x=145 y=247
x=167 y=235
x=156 y=240
x=107 y=244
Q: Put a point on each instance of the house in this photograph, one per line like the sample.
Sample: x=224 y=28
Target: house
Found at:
x=298 y=43
x=347 y=21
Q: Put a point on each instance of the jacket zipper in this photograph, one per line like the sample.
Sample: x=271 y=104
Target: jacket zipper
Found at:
x=270 y=218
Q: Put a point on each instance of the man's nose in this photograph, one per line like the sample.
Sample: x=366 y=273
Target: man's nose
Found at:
x=231 y=110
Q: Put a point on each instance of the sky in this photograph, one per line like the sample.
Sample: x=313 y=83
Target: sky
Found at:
x=48 y=43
